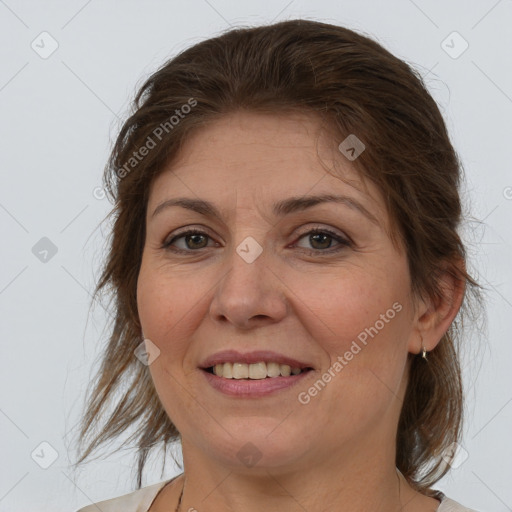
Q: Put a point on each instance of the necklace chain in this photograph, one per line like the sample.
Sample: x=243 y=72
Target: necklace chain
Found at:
x=178 y=506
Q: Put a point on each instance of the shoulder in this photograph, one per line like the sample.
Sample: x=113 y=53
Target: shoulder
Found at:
x=448 y=505
x=136 y=501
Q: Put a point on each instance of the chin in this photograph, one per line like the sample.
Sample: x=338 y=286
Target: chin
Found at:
x=255 y=443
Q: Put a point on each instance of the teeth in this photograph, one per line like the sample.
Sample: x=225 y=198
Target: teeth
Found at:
x=255 y=371
x=227 y=370
x=286 y=370
x=240 y=371
x=273 y=369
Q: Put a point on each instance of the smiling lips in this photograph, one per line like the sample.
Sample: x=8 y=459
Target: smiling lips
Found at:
x=257 y=365
x=254 y=374
x=256 y=371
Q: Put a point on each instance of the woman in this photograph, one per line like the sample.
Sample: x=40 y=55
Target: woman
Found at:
x=285 y=249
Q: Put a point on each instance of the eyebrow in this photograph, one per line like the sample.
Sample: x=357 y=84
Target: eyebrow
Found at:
x=280 y=209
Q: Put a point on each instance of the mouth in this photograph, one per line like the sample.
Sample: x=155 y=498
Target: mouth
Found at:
x=254 y=374
x=254 y=371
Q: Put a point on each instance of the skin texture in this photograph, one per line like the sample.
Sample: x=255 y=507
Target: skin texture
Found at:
x=336 y=452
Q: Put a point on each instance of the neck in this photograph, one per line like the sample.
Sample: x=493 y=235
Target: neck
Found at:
x=333 y=484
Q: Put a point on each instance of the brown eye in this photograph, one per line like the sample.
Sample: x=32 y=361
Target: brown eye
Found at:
x=321 y=241
x=193 y=239
x=196 y=240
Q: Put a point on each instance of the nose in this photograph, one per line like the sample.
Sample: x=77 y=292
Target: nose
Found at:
x=249 y=293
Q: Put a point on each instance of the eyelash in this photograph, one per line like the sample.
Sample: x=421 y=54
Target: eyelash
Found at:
x=344 y=243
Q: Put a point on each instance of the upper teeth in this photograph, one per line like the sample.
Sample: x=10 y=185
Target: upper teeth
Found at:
x=253 y=371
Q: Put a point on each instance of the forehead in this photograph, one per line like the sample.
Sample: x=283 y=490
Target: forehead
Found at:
x=262 y=157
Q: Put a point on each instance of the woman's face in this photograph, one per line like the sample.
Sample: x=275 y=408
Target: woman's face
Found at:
x=256 y=279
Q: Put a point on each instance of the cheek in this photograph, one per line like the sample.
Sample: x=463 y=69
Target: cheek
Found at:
x=360 y=320
x=165 y=301
x=167 y=304
x=355 y=305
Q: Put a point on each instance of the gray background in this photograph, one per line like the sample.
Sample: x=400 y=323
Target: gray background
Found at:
x=59 y=116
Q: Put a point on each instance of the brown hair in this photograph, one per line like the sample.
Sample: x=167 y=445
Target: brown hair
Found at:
x=357 y=87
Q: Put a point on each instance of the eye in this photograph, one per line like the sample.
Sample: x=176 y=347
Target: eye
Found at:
x=322 y=239
x=193 y=238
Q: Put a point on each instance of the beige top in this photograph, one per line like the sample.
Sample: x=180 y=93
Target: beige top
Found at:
x=141 y=500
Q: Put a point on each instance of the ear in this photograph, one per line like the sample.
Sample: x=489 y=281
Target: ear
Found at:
x=433 y=317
